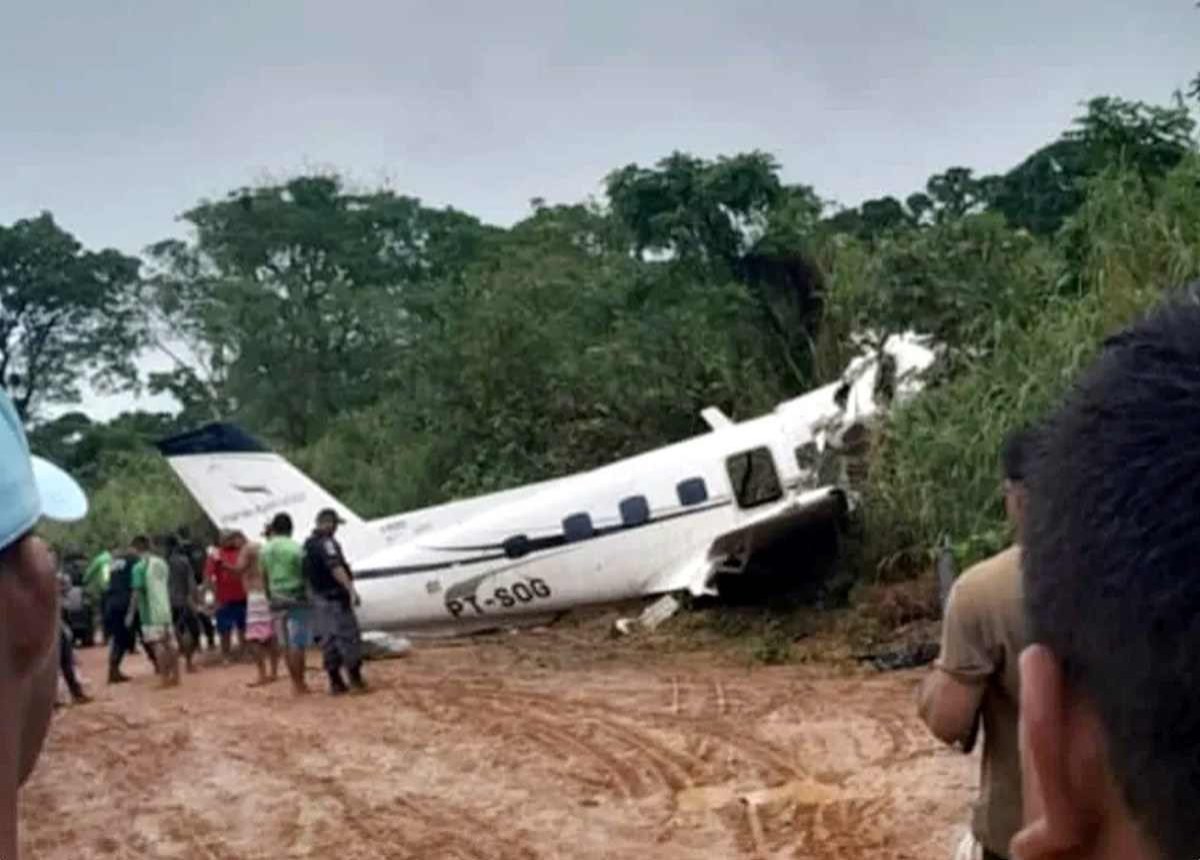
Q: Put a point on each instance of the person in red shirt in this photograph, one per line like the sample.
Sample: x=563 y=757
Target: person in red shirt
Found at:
x=221 y=570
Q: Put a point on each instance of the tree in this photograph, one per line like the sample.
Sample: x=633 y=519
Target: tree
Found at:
x=294 y=300
x=705 y=213
x=874 y=218
x=952 y=280
x=1049 y=186
x=66 y=315
x=93 y=451
x=957 y=192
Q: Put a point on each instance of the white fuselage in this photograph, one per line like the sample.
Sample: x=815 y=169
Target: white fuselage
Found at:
x=663 y=521
x=619 y=531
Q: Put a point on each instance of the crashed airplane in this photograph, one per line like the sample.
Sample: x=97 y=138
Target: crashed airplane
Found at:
x=667 y=521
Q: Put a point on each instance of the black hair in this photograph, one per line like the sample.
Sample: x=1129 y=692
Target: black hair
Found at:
x=281 y=524
x=169 y=542
x=141 y=543
x=1111 y=548
x=1017 y=452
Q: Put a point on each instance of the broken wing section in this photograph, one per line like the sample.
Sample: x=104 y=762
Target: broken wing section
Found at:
x=731 y=550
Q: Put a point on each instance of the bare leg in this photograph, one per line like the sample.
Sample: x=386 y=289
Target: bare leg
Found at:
x=188 y=646
x=170 y=661
x=259 y=650
x=224 y=634
x=273 y=650
x=295 y=665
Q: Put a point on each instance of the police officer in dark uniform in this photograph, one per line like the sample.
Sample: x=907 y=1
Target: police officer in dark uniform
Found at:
x=334 y=599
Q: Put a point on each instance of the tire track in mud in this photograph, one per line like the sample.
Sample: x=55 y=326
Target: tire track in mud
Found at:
x=442 y=836
x=561 y=739
x=730 y=733
x=565 y=728
x=675 y=769
x=135 y=774
x=478 y=754
x=713 y=719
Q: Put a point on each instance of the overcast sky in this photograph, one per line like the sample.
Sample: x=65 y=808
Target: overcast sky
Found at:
x=116 y=116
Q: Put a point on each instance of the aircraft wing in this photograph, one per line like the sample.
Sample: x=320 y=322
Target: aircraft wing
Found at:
x=695 y=574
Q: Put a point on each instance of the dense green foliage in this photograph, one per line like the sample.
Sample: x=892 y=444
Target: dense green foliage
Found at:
x=65 y=314
x=406 y=355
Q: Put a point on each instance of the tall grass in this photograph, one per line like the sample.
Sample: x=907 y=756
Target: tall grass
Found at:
x=935 y=473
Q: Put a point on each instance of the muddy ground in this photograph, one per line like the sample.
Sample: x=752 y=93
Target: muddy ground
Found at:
x=559 y=743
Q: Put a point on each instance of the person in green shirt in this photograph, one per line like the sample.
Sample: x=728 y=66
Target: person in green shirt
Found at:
x=281 y=559
x=95 y=577
x=95 y=583
x=151 y=577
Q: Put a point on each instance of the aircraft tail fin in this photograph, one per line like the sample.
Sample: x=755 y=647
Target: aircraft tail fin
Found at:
x=241 y=484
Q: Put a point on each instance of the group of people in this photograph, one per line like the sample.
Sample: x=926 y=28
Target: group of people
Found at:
x=272 y=598
x=1077 y=648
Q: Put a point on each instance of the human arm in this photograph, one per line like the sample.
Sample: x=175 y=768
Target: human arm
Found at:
x=211 y=560
x=342 y=574
x=246 y=560
x=191 y=595
x=949 y=698
x=949 y=706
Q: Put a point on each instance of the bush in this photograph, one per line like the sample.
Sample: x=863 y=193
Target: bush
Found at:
x=935 y=472
x=142 y=497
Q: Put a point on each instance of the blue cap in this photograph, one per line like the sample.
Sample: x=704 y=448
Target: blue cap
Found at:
x=30 y=487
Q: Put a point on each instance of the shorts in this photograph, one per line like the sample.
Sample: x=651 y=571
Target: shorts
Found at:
x=231 y=615
x=293 y=626
x=259 y=626
x=154 y=633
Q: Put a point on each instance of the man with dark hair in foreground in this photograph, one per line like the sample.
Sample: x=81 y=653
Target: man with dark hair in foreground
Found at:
x=976 y=673
x=1110 y=691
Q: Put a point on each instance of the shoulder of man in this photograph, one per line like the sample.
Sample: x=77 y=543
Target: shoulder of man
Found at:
x=331 y=549
x=993 y=577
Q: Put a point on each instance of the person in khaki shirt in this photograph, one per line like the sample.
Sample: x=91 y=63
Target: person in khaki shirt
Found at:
x=975 y=677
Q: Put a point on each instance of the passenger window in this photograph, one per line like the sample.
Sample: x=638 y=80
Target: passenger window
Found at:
x=635 y=511
x=692 y=491
x=578 y=527
x=516 y=546
x=754 y=479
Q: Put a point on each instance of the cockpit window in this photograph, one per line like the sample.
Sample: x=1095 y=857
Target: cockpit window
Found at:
x=754 y=478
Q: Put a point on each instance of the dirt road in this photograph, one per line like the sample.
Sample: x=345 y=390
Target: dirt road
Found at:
x=526 y=746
